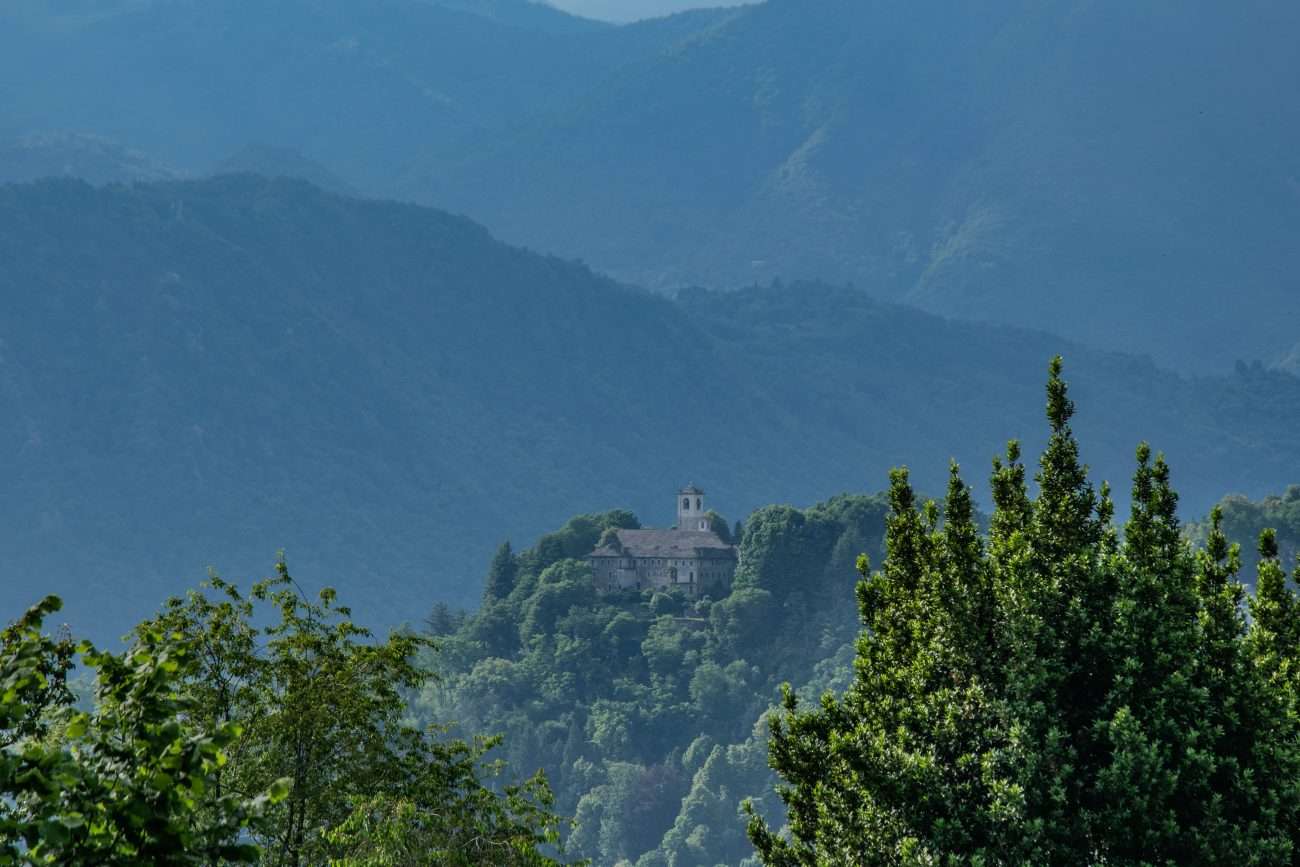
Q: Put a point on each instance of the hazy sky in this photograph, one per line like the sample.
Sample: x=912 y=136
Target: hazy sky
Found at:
x=630 y=10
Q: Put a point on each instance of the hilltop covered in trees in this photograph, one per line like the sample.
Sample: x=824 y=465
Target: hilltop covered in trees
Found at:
x=1055 y=690
x=203 y=373
x=1244 y=519
x=653 y=716
x=646 y=709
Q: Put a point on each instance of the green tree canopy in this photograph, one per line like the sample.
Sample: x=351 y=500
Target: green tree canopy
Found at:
x=501 y=574
x=1244 y=519
x=320 y=701
x=1055 y=692
x=622 y=696
x=135 y=780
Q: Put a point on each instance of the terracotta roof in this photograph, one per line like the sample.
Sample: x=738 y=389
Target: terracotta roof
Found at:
x=678 y=544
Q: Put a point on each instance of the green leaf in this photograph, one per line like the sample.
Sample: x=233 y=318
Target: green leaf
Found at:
x=77 y=726
x=280 y=789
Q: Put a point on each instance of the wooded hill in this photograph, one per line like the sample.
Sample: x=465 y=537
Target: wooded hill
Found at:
x=202 y=373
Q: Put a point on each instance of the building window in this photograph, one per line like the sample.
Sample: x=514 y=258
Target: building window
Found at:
x=686 y=504
x=699 y=504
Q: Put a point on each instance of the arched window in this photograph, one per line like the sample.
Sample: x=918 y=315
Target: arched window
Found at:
x=699 y=504
x=686 y=504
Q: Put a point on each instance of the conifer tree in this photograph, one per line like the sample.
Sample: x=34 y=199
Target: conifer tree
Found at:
x=1057 y=694
x=501 y=574
x=1275 y=614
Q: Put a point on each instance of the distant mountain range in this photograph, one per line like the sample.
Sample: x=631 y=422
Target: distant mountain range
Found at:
x=368 y=89
x=276 y=162
x=32 y=156
x=1126 y=174
x=199 y=373
x=531 y=14
x=96 y=160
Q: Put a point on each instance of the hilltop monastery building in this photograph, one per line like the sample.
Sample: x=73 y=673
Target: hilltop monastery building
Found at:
x=690 y=557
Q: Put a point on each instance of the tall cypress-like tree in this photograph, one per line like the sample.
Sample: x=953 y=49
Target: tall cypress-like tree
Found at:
x=1057 y=694
x=1275 y=613
x=501 y=574
x=1274 y=647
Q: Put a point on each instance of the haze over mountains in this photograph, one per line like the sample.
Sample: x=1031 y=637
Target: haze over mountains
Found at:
x=1125 y=174
x=199 y=373
x=90 y=158
x=430 y=297
x=629 y=10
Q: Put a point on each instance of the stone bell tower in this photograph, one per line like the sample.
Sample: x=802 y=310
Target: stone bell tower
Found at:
x=690 y=509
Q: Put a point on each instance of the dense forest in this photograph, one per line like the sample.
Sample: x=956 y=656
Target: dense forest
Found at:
x=1056 y=691
x=647 y=709
x=1244 y=519
x=202 y=373
x=652 y=714
x=1039 y=685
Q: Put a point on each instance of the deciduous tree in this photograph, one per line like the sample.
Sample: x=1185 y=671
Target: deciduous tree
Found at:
x=322 y=702
x=132 y=781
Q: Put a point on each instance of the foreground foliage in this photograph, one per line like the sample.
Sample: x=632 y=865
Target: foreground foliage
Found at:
x=321 y=704
x=215 y=739
x=1053 y=693
x=135 y=781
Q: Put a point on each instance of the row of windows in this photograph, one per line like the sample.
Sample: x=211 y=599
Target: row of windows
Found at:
x=706 y=576
x=616 y=587
x=613 y=586
x=649 y=561
x=682 y=577
x=633 y=564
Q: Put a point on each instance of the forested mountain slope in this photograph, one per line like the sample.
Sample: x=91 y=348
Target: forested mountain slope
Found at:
x=368 y=89
x=531 y=14
x=32 y=156
x=1112 y=171
x=273 y=162
x=647 y=710
x=1244 y=519
x=1125 y=174
x=197 y=373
